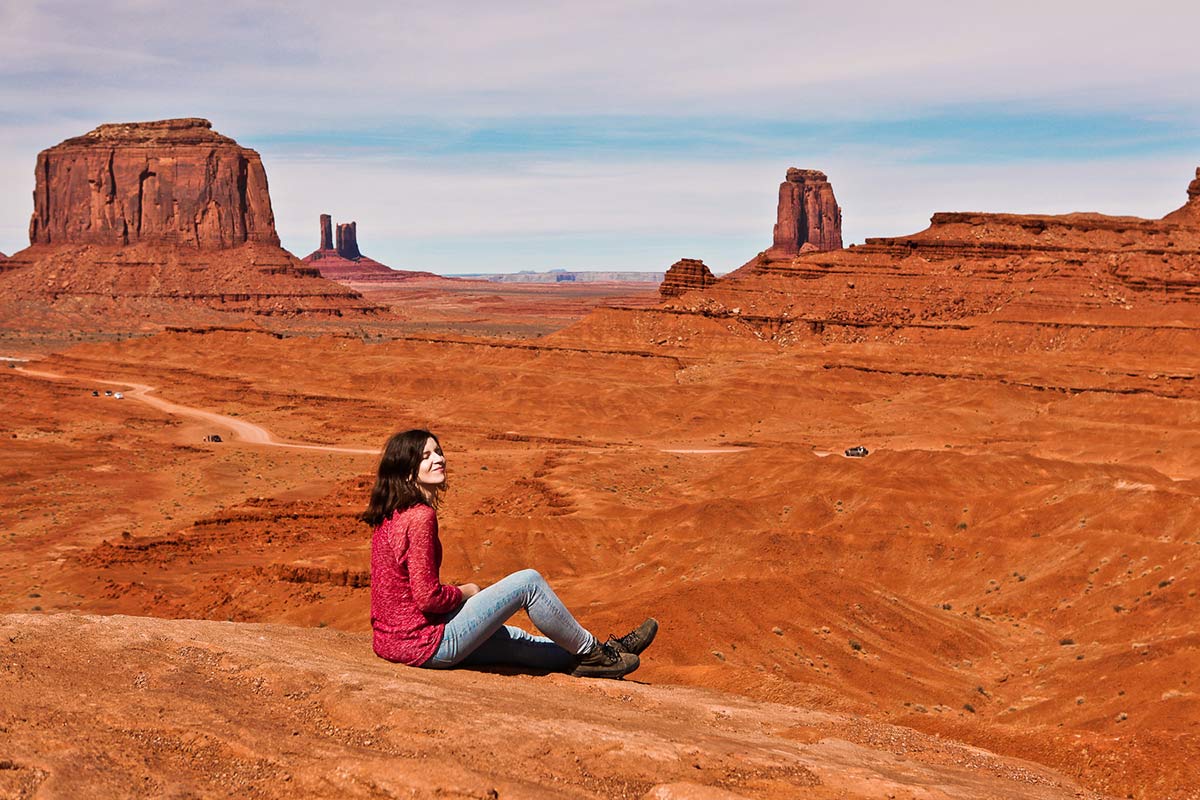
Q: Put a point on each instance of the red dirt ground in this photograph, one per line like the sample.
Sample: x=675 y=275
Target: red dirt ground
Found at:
x=1014 y=566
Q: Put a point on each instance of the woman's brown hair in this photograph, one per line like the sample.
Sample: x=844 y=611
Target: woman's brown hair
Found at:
x=396 y=485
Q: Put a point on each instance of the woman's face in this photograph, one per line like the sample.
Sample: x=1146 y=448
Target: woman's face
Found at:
x=432 y=471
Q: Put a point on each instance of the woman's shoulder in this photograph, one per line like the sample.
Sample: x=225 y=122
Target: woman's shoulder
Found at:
x=418 y=513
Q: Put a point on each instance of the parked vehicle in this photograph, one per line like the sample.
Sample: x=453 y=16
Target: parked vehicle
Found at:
x=857 y=452
x=213 y=437
x=119 y=396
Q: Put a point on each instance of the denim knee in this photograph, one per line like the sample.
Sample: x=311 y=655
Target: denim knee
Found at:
x=530 y=576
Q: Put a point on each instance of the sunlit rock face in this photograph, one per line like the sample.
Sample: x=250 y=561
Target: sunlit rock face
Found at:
x=159 y=222
x=174 y=181
x=684 y=275
x=808 y=217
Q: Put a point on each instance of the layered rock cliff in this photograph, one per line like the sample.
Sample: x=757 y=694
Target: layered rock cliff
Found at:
x=967 y=270
x=155 y=219
x=685 y=275
x=141 y=707
x=808 y=217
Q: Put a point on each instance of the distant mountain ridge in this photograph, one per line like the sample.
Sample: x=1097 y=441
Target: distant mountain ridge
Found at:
x=569 y=276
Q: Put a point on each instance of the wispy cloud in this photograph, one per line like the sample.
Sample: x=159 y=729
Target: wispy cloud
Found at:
x=469 y=130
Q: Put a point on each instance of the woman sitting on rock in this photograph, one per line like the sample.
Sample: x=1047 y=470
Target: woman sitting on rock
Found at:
x=418 y=620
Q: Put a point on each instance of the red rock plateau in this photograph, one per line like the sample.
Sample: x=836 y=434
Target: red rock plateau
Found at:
x=685 y=275
x=164 y=221
x=343 y=262
x=999 y=601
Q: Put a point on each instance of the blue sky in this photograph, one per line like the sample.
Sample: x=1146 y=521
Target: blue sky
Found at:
x=479 y=137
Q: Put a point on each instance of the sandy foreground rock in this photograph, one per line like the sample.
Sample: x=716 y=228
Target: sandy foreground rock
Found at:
x=140 y=707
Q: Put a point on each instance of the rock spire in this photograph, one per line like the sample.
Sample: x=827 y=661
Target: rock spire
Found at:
x=1189 y=213
x=347 y=241
x=339 y=259
x=326 y=232
x=808 y=217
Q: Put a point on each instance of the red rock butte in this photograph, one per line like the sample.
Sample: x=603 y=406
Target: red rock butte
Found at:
x=175 y=181
x=685 y=275
x=808 y=217
x=341 y=260
x=147 y=213
x=972 y=269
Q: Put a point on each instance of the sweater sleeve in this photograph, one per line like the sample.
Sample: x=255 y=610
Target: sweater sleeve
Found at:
x=429 y=593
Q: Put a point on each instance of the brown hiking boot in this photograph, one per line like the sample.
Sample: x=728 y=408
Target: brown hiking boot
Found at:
x=637 y=639
x=605 y=661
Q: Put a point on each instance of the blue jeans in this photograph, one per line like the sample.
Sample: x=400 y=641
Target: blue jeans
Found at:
x=477 y=635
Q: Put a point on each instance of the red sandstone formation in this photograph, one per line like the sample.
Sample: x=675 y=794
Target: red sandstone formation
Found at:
x=684 y=275
x=174 y=181
x=154 y=219
x=326 y=232
x=1189 y=212
x=977 y=266
x=345 y=263
x=347 y=241
x=808 y=215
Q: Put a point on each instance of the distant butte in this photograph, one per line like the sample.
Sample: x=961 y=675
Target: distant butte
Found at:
x=154 y=221
x=967 y=266
x=684 y=275
x=340 y=260
x=808 y=220
x=808 y=217
x=1189 y=212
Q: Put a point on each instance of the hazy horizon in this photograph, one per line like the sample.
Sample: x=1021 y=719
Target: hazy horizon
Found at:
x=534 y=136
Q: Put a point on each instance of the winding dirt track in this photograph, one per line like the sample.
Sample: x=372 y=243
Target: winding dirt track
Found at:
x=250 y=433
x=240 y=429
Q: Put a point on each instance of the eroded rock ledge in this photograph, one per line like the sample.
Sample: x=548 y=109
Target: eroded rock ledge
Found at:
x=136 y=706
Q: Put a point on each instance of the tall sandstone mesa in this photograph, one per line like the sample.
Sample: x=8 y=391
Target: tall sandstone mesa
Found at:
x=175 y=181
x=158 y=222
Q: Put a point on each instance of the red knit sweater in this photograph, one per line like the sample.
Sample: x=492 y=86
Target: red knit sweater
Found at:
x=409 y=603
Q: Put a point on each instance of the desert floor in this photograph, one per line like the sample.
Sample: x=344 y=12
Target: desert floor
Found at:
x=1013 y=567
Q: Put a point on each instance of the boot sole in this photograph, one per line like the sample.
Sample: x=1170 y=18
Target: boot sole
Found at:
x=618 y=670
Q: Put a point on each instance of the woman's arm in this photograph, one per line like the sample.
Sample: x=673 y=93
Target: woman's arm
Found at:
x=429 y=593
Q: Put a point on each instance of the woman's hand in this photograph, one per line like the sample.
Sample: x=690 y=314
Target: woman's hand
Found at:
x=469 y=590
